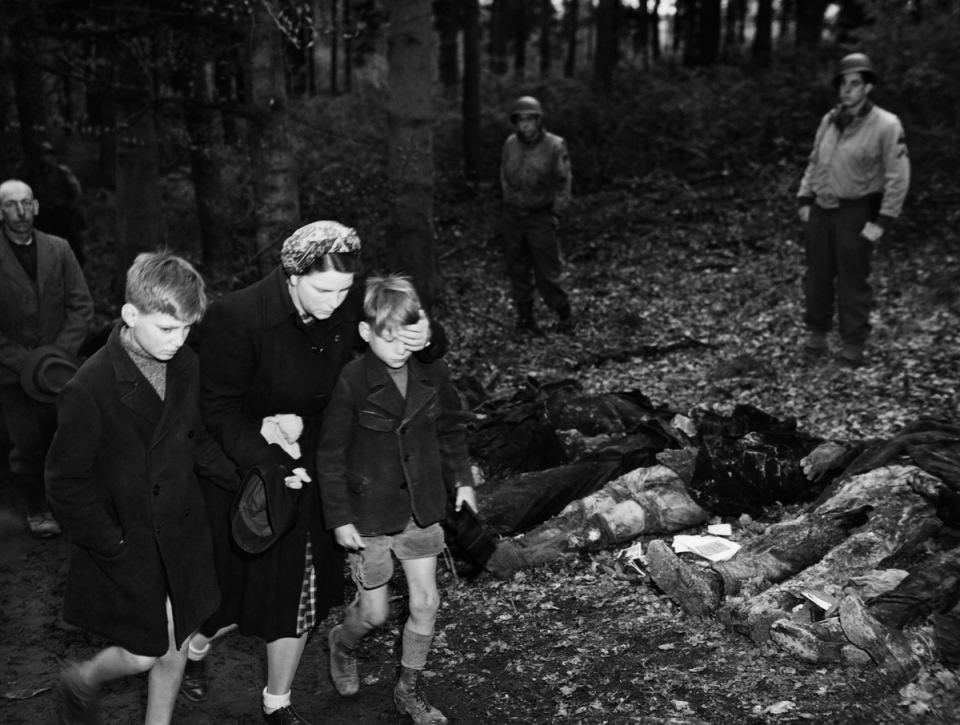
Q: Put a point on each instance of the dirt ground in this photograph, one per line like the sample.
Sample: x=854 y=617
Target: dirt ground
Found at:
x=576 y=642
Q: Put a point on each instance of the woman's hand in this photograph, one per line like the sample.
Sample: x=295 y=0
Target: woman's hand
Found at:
x=466 y=495
x=416 y=336
x=297 y=479
x=348 y=537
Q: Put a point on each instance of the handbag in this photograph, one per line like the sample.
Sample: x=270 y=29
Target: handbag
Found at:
x=466 y=535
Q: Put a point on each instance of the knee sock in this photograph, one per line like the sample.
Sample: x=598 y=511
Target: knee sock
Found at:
x=352 y=629
x=272 y=703
x=195 y=655
x=415 y=649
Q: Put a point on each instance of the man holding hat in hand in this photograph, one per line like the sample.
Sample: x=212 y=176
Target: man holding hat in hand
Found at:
x=853 y=190
x=45 y=310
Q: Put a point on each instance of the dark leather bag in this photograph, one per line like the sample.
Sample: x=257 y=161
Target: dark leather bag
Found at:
x=466 y=535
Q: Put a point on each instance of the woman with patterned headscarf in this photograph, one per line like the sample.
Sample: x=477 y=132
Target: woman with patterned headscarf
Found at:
x=269 y=359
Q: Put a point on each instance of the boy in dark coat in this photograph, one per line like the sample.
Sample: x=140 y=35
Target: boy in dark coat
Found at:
x=120 y=478
x=390 y=453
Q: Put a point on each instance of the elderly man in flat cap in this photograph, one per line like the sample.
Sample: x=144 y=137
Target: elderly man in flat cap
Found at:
x=46 y=311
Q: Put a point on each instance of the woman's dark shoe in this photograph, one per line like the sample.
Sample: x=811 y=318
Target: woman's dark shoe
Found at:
x=195 y=683
x=284 y=716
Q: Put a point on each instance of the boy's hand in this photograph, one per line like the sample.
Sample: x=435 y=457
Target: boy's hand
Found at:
x=299 y=477
x=348 y=537
x=415 y=337
x=466 y=495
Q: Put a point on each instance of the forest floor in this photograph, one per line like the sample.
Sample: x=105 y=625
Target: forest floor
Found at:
x=689 y=292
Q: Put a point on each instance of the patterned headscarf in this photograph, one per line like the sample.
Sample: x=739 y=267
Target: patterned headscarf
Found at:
x=314 y=240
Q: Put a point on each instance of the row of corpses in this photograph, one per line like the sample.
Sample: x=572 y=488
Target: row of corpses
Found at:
x=575 y=473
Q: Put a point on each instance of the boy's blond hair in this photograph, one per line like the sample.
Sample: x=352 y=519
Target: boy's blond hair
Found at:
x=164 y=282
x=390 y=302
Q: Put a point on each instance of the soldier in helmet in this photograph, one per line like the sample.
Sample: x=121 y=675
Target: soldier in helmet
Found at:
x=535 y=177
x=853 y=190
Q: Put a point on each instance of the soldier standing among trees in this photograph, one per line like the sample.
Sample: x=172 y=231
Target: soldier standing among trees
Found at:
x=853 y=190
x=535 y=178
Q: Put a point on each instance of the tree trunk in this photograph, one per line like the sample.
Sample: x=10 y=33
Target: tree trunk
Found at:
x=708 y=32
x=571 y=28
x=228 y=82
x=499 y=30
x=322 y=55
x=412 y=63
x=205 y=143
x=335 y=33
x=607 y=50
x=448 y=28
x=519 y=19
x=276 y=197
x=546 y=18
x=348 y=33
x=28 y=85
x=138 y=200
x=809 y=22
x=787 y=13
x=762 y=41
x=7 y=100
x=655 y=30
x=471 y=90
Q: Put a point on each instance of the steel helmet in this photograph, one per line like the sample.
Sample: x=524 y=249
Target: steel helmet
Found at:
x=856 y=63
x=525 y=104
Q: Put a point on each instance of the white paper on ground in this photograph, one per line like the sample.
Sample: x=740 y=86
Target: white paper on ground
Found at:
x=709 y=547
x=720 y=529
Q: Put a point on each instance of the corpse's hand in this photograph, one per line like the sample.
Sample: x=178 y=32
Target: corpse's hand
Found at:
x=466 y=495
x=348 y=537
x=297 y=478
x=415 y=337
x=872 y=231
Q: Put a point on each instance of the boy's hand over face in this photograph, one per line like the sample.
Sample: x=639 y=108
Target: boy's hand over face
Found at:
x=348 y=537
x=466 y=495
x=416 y=336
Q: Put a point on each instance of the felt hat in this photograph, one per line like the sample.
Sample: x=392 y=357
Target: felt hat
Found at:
x=46 y=371
x=263 y=510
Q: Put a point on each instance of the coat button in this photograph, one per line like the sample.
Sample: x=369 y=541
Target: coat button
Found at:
x=156 y=490
x=406 y=458
x=190 y=434
x=187 y=513
x=316 y=350
x=403 y=485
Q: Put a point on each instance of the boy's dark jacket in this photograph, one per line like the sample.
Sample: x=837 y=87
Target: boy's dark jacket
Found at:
x=381 y=456
x=121 y=469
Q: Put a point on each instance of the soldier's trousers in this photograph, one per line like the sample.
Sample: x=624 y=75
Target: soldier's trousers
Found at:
x=533 y=255
x=838 y=267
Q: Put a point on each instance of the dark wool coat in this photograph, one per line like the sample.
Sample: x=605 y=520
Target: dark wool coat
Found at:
x=257 y=358
x=56 y=310
x=120 y=479
x=381 y=456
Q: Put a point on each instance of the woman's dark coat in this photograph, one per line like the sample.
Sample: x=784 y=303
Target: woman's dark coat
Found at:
x=258 y=358
x=120 y=479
